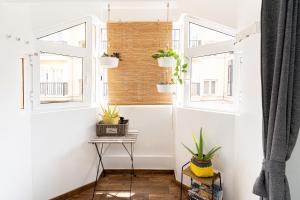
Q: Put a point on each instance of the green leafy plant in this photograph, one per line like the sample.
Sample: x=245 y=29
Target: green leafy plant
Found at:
x=178 y=69
x=199 y=154
x=115 y=55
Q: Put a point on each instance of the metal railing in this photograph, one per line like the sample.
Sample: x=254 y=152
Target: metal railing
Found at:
x=195 y=43
x=54 y=89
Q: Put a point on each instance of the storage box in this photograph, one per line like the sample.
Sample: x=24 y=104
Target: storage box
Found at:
x=120 y=129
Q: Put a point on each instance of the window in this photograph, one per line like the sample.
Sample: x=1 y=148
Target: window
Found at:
x=195 y=90
x=61 y=78
x=230 y=78
x=104 y=72
x=210 y=80
x=73 y=36
x=212 y=70
x=103 y=40
x=200 y=36
x=22 y=86
x=176 y=39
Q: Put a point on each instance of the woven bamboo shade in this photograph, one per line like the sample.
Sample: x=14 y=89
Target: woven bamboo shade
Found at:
x=134 y=81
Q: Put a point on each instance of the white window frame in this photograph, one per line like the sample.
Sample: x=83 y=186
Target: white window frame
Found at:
x=207 y=50
x=66 y=50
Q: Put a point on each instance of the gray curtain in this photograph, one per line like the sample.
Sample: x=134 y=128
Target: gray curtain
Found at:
x=280 y=76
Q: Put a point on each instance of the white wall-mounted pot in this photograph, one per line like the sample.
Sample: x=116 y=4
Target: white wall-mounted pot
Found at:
x=166 y=88
x=109 y=62
x=166 y=62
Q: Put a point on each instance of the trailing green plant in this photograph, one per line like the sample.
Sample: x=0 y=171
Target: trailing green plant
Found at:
x=114 y=55
x=199 y=154
x=178 y=69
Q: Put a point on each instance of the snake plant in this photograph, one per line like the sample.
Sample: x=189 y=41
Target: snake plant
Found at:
x=199 y=154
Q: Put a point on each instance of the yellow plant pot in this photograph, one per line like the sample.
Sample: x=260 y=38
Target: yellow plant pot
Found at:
x=202 y=168
x=108 y=120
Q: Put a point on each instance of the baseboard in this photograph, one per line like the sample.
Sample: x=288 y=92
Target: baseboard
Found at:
x=74 y=192
x=140 y=171
x=112 y=171
x=140 y=161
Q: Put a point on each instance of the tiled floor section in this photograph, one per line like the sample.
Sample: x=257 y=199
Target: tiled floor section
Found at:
x=145 y=187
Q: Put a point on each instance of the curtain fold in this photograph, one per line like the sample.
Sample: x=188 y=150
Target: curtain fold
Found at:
x=280 y=79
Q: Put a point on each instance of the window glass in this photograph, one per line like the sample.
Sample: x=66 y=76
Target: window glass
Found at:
x=212 y=71
x=73 y=36
x=200 y=35
x=206 y=87
x=22 y=70
x=105 y=83
x=212 y=87
x=195 y=90
x=103 y=41
x=176 y=39
x=60 y=78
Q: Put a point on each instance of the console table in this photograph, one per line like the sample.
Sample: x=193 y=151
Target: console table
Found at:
x=123 y=140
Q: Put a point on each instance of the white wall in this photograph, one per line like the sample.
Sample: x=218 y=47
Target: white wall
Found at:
x=248 y=133
x=223 y=12
x=218 y=130
x=155 y=145
x=62 y=159
x=43 y=13
x=15 y=144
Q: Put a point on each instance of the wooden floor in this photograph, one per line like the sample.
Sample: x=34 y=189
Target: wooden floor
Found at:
x=146 y=186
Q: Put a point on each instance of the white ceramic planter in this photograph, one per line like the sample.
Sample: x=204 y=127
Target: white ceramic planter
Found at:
x=166 y=88
x=109 y=62
x=166 y=62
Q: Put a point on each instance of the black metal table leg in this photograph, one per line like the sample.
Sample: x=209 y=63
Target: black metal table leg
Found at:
x=181 y=181
x=99 y=162
x=132 y=166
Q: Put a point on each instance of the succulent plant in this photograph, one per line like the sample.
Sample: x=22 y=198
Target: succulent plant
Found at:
x=109 y=115
x=199 y=155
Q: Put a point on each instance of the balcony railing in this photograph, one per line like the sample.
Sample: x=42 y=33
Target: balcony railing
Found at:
x=54 y=89
x=195 y=43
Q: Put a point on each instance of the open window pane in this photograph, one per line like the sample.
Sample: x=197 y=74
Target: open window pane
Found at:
x=212 y=73
x=200 y=35
x=73 y=36
x=60 y=78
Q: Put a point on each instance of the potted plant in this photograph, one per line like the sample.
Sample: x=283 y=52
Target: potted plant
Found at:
x=169 y=58
x=201 y=164
x=166 y=58
x=110 y=60
x=166 y=87
x=109 y=115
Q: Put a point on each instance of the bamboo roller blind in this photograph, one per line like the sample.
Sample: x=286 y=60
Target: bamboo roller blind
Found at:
x=134 y=81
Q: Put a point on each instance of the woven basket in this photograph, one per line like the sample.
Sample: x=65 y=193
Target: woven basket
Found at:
x=112 y=130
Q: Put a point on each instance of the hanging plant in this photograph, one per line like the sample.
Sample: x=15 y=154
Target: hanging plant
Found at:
x=110 y=60
x=169 y=58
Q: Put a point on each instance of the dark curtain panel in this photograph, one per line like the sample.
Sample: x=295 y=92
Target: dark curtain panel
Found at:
x=280 y=76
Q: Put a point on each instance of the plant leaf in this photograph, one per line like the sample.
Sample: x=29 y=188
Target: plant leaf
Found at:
x=196 y=143
x=211 y=153
x=189 y=150
x=201 y=143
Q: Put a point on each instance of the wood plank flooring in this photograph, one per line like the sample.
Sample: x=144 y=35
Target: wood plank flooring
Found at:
x=146 y=186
